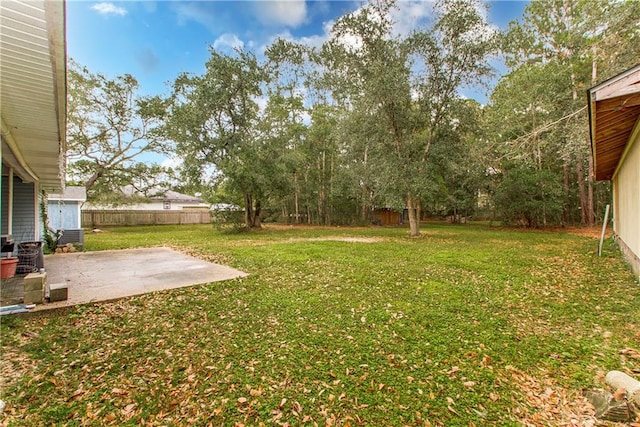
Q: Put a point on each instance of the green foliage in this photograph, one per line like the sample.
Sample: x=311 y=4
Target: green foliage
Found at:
x=227 y=218
x=213 y=120
x=403 y=91
x=529 y=196
x=50 y=242
x=373 y=118
x=538 y=111
x=462 y=325
x=109 y=126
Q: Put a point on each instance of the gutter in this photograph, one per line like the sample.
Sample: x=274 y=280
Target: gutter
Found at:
x=13 y=146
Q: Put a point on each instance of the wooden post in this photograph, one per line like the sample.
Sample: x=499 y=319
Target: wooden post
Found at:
x=604 y=228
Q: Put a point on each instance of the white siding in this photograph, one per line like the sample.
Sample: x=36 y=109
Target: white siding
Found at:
x=626 y=184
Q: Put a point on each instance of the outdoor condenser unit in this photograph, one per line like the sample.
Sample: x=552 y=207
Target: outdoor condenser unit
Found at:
x=72 y=236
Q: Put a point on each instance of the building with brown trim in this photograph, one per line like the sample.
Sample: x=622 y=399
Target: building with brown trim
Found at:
x=614 y=116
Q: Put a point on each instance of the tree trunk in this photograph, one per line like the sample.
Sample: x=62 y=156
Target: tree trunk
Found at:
x=566 y=210
x=295 y=197
x=322 y=212
x=365 y=195
x=583 y=193
x=248 y=210
x=594 y=79
x=414 y=221
x=590 y=209
x=251 y=216
x=257 y=220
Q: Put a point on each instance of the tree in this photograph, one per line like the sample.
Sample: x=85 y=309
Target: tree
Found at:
x=282 y=127
x=559 y=49
x=529 y=196
x=458 y=165
x=109 y=127
x=214 y=121
x=402 y=89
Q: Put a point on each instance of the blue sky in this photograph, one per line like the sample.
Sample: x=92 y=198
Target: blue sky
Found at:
x=156 y=40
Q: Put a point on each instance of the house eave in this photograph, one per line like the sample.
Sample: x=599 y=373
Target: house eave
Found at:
x=614 y=108
x=33 y=86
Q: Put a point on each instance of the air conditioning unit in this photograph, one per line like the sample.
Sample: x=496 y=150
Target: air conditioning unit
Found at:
x=72 y=236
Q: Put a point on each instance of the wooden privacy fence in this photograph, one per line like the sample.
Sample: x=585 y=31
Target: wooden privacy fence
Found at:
x=103 y=218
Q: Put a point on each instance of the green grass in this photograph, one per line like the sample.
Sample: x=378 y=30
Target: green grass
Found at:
x=465 y=325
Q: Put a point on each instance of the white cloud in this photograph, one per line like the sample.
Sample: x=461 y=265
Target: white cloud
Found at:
x=410 y=15
x=172 y=162
x=200 y=12
x=228 y=40
x=105 y=8
x=291 y=13
x=262 y=102
x=306 y=118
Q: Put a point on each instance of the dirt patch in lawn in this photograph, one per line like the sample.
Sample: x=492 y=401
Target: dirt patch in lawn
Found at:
x=346 y=239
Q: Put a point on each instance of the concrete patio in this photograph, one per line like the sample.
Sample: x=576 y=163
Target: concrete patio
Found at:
x=108 y=275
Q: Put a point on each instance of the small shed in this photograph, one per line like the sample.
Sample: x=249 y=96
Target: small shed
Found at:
x=64 y=209
x=614 y=115
x=387 y=216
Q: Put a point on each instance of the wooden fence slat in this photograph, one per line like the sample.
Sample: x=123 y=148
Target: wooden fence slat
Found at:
x=104 y=218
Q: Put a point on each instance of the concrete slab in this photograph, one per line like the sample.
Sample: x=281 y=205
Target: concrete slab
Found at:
x=107 y=275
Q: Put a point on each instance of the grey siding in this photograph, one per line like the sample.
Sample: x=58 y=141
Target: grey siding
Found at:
x=24 y=211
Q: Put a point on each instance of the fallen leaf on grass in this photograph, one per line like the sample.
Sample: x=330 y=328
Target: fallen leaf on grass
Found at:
x=118 y=391
x=77 y=393
x=127 y=411
x=453 y=410
x=620 y=394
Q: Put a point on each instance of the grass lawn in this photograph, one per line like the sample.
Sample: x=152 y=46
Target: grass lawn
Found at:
x=466 y=325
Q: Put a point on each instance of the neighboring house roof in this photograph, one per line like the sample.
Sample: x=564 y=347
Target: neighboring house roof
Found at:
x=172 y=196
x=33 y=87
x=70 y=194
x=614 y=108
x=162 y=195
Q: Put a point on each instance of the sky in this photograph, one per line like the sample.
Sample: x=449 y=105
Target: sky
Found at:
x=155 y=41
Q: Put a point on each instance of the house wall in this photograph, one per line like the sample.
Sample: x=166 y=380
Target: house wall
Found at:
x=5 y=204
x=626 y=190
x=25 y=210
x=64 y=215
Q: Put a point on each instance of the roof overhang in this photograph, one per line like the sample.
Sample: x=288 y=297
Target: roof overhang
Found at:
x=34 y=89
x=614 y=109
x=70 y=194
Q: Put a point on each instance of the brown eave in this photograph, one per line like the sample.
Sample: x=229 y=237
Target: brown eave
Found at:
x=614 y=108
